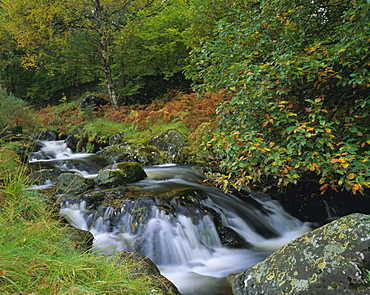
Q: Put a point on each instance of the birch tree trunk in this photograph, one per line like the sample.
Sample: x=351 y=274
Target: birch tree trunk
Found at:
x=106 y=63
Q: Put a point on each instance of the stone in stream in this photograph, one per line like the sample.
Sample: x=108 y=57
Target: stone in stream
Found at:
x=333 y=259
x=70 y=183
x=120 y=174
x=124 y=152
x=44 y=176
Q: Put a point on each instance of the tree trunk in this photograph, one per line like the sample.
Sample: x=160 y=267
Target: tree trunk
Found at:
x=107 y=72
x=104 y=54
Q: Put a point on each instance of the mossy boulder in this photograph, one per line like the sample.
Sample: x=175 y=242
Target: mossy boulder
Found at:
x=147 y=155
x=333 y=259
x=120 y=174
x=171 y=143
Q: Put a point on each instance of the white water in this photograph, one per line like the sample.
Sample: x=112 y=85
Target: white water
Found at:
x=188 y=253
x=56 y=154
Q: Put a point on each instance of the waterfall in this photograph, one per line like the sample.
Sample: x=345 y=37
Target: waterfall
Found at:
x=185 y=243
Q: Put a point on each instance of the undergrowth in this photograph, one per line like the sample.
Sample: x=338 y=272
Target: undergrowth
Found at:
x=184 y=112
x=37 y=258
x=191 y=110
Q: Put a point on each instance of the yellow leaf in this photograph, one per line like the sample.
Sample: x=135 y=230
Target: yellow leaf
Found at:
x=351 y=176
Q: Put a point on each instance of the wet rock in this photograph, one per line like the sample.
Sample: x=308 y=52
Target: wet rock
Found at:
x=228 y=236
x=70 y=183
x=122 y=152
x=333 y=259
x=231 y=238
x=72 y=142
x=80 y=238
x=120 y=174
x=95 y=199
x=170 y=143
x=45 y=176
x=46 y=136
x=117 y=138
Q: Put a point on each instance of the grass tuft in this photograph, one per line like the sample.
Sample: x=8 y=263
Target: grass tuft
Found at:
x=37 y=258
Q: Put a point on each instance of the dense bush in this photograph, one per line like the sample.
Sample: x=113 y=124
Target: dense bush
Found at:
x=299 y=72
x=13 y=111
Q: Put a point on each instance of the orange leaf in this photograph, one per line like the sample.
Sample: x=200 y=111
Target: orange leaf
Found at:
x=323 y=188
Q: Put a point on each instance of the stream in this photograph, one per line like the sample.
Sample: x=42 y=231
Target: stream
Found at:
x=185 y=244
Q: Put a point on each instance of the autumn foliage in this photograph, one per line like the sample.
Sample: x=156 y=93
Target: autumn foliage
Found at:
x=299 y=72
x=190 y=109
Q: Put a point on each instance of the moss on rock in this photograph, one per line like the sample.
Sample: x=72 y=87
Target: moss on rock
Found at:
x=120 y=174
x=329 y=260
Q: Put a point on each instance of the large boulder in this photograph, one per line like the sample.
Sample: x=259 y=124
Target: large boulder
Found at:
x=333 y=259
x=120 y=174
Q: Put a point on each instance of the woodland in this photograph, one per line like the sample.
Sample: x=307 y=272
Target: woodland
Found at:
x=272 y=91
x=269 y=94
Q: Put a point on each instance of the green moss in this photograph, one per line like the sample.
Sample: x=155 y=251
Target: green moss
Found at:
x=115 y=173
x=132 y=171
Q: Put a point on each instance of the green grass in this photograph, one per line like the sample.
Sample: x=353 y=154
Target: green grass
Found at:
x=37 y=258
x=140 y=137
x=102 y=128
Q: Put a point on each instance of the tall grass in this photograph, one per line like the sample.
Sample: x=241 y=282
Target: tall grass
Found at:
x=36 y=257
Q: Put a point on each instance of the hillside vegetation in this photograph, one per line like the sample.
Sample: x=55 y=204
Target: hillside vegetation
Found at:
x=291 y=80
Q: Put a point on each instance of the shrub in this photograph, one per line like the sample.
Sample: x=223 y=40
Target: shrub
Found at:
x=13 y=111
x=299 y=73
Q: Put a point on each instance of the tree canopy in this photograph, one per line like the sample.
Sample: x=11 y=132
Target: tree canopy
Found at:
x=86 y=40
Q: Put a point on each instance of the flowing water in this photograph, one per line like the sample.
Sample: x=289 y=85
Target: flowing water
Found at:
x=186 y=246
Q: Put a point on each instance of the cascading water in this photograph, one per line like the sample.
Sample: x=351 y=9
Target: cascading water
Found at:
x=186 y=240
x=56 y=154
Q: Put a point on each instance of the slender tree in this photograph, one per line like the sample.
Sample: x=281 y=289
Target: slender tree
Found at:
x=85 y=31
